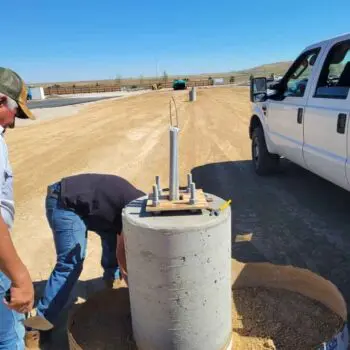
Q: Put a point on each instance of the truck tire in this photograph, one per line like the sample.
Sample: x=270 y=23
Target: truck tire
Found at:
x=264 y=162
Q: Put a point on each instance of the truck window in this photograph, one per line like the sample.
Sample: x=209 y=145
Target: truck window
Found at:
x=299 y=75
x=334 y=79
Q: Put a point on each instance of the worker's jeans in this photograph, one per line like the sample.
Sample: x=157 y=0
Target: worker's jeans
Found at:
x=70 y=237
x=11 y=326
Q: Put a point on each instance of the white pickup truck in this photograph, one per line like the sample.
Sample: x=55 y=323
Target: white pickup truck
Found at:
x=305 y=116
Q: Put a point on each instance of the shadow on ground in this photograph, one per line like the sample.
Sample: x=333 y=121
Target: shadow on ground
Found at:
x=295 y=217
x=57 y=339
x=292 y=218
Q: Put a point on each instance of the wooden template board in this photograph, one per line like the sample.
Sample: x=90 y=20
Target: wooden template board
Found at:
x=182 y=204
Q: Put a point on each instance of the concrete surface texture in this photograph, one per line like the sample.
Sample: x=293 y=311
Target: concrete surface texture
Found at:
x=292 y=218
x=108 y=94
x=60 y=102
x=68 y=105
x=72 y=99
x=179 y=270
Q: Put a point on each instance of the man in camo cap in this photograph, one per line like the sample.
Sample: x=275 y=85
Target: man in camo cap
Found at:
x=15 y=281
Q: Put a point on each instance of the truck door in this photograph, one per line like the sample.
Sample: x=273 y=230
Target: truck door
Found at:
x=286 y=112
x=327 y=117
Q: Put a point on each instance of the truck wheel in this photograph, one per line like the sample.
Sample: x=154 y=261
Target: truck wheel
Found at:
x=264 y=162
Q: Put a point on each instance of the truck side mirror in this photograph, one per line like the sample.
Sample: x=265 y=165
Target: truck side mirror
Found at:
x=258 y=89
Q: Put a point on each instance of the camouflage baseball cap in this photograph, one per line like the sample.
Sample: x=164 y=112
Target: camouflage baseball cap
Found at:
x=13 y=86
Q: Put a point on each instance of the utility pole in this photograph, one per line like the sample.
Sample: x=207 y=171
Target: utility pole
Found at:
x=157 y=68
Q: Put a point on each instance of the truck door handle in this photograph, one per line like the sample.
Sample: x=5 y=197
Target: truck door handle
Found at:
x=341 y=123
x=300 y=115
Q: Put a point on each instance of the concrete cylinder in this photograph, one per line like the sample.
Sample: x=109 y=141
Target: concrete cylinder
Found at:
x=193 y=94
x=179 y=273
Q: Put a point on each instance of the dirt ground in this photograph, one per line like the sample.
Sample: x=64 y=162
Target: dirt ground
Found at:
x=293 y=217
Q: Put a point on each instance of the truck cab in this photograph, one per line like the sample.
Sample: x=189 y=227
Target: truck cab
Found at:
x=304 y=116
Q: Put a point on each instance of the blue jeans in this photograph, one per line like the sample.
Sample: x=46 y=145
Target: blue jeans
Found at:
x=11 y=326
x=70 y=237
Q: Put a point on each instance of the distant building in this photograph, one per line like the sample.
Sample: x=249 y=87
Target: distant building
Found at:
x=36 y=93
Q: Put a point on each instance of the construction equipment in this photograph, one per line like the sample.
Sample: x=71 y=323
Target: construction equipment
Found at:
x=179 y=84
x=157 y=86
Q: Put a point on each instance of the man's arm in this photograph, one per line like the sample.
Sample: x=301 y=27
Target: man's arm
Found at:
x=22 y=291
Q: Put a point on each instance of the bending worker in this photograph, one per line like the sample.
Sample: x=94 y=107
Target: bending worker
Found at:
x=75 y=205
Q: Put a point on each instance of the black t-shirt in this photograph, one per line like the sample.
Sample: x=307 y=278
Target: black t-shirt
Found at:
x=98 y=199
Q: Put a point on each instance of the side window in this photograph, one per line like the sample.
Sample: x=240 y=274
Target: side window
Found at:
x=299 y=76
x=334 y=80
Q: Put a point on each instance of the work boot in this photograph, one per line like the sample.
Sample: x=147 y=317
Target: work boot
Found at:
x=33 y=337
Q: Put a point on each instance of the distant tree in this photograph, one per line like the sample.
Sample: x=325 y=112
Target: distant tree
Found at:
x=251 y=77
x=272 y=76
x=210 y=81
x=232 y=79
x=97 y=84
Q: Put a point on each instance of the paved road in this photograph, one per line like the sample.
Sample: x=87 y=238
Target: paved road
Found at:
x=59 y=102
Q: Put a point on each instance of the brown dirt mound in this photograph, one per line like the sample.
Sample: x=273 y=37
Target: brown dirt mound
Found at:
x=262 y=319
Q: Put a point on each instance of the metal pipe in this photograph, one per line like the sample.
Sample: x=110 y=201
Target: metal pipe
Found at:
x=158 y=185
x=193 y=193
x=177 y=180
x=189 y=181
x=155 y=196
x=174 y=171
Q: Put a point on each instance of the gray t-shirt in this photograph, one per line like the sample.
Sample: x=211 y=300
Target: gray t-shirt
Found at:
x=7 y=204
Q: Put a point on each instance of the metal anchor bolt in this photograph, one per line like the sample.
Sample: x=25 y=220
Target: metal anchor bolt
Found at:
x=158 y=185
x=189 y=181
x=193 y=193
x=155 y=199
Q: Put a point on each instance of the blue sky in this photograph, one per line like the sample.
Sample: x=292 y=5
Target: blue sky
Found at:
x=82 y=40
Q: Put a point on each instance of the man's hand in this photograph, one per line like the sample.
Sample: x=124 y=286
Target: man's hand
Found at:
x=22 y=290
x=22 y=296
